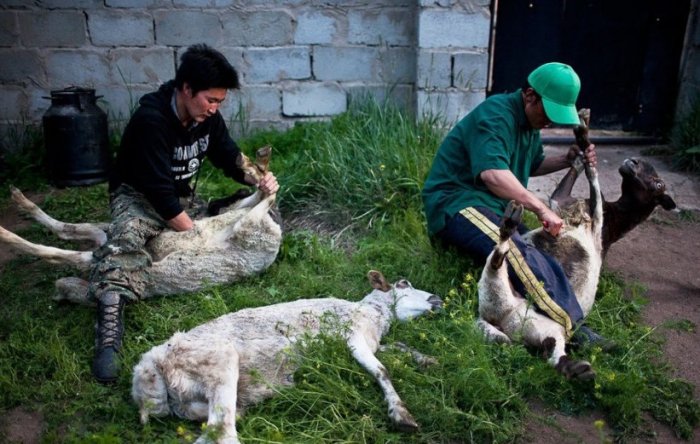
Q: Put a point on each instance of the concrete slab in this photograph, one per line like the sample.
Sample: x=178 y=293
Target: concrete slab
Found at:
x=684 y=188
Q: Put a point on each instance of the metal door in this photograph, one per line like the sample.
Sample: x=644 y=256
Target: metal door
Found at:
x=627 y=53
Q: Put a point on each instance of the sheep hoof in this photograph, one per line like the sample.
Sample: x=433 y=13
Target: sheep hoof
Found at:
x=407 y=425
x=581 y=370
x=402 y=419
x=511 y=219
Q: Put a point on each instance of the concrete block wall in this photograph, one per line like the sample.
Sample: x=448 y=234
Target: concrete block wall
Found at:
x=452 y=57
x=298 y=59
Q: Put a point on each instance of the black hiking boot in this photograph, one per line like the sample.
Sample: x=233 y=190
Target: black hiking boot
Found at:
x=109 y=330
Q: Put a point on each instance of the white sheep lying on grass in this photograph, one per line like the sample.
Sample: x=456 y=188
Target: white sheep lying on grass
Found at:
x=212 y=372
x=242 y=240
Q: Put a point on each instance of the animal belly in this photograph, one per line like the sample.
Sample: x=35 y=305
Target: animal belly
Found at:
x=192 y=270
x=265 y=367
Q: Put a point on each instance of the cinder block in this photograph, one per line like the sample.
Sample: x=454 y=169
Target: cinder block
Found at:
x=258 y=28
x=201 y=3
x=71 y=4
x=79 y=68
x=441 y=3
x=243 y=129
x=234 y=56
x=13 y=102
x=470 y=70
x=253 y=102
x=314 y=99
x=26 y=65
x=120 y=101
x=180 y=28
x=120 y=28
x=450 y=107
x=443 y=28
x=273 y=65
x=401 y=96
x=14 y=3
x=38 y=102
x=398 y=65
x=52 y=28
x=434 y=70
x=346 y=64
x=9 y=30
x=152 y=66
x=383 y=26
x=316 y=27
x=135 y=3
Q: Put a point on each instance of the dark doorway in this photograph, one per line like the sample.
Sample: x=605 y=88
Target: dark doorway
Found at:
x=627 y=53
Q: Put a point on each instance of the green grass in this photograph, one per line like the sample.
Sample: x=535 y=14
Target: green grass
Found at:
x=360 y=174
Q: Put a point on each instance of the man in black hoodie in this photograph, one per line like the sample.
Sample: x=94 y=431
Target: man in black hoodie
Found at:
x=162 y=149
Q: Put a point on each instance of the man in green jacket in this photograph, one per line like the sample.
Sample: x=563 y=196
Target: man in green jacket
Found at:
x=485 y=161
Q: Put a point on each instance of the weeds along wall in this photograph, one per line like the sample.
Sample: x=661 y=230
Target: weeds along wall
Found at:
x=298 y=59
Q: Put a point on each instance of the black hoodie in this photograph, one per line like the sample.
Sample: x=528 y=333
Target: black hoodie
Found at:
x=158 y=156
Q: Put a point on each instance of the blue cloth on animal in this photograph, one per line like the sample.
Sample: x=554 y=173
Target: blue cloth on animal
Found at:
x=533 y=273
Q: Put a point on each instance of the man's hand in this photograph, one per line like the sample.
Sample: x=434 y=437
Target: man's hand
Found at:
x=268 y=184
x=181 y=222
x=589 y=155
x=551 y=223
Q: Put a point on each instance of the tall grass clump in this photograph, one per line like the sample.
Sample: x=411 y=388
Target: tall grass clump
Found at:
x=364 y=167
x=685 y=140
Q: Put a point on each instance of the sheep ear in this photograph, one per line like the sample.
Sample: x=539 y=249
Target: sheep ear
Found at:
x=666 y=202
x=377 y=281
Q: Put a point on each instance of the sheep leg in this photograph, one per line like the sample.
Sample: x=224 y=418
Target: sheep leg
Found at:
x=216 y=367
x=78 y=259
x=509 y=224
x=496 y=294
x=398 y=413
x=596 y=197
x=96 y=233
x=491 y=332
x=561 y=197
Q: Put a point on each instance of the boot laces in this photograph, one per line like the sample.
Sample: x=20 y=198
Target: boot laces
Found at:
x=110 y=324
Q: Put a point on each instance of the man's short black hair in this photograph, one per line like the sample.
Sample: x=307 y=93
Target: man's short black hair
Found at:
x=203 y=67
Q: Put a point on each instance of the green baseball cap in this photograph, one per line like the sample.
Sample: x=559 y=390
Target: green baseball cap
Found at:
x=559 y=86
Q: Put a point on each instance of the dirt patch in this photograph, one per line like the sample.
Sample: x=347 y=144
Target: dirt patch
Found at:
x=22 y=426
x=660 y=254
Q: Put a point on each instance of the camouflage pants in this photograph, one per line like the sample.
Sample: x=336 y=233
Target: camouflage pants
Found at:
x=122 y=262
